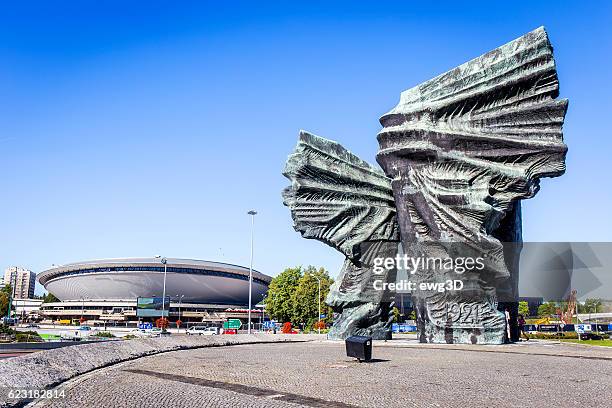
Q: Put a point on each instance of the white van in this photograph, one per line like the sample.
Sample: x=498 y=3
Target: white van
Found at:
x=203 y=330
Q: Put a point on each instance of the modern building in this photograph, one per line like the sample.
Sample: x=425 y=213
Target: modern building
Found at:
x=26 y=309
x=103 y=291
x=21 y=280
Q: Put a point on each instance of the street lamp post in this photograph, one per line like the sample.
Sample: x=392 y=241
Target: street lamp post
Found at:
x=180 y=298
x=319 y=299
x=17 y=310
x=164 y=261
x=252 y=213
x=262 y=316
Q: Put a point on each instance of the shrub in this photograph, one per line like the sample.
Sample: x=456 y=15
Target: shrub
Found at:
x=553 y=336
x=28 y=336
x=319 y=325
x=104 y=334
x=287 y=328
x=162 y=323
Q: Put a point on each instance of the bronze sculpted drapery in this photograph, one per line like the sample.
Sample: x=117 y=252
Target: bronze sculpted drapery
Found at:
x=458 y=153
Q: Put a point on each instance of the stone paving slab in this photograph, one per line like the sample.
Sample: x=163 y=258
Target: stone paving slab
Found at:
x=532 y=347
x=46 y=369
x=318 y=374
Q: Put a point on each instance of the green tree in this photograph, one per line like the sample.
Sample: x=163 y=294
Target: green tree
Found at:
x=5 y=296
x=396 y=315
x=278 y=301
x=523 y=308
x=50 y=298
x=547 y=309
x=4 y=302
x=592 y=306
x=305 y=299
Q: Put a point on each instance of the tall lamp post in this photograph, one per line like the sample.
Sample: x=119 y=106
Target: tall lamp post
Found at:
x=82 y=310
x=262 y=316
x=319 y=299
x=180 y=298
x=252 y=213
x=164 y=261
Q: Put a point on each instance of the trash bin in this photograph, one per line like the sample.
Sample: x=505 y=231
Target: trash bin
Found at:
x=359 y=347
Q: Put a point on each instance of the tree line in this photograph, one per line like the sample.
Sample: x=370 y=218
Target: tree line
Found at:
x=552 y=308
x=293 y=296
x=6 y=293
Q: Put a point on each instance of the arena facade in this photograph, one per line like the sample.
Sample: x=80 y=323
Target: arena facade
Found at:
x=103 y=291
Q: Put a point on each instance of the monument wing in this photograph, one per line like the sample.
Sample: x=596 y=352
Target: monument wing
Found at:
x=337 y=198
x=463 y=147
x=462 y=150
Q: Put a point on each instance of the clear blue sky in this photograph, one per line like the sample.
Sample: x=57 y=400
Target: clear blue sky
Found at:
x=134 y=129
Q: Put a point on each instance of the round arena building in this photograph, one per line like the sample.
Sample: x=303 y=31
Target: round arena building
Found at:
x=108 y=289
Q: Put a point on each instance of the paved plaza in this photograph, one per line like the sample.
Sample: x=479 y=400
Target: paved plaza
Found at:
x=318 y=374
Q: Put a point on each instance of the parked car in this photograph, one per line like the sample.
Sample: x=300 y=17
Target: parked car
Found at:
x=141 y=333
x=592 y=336
x=202 y=330
x=156 y=331
x=32 y=326
x=10 y=320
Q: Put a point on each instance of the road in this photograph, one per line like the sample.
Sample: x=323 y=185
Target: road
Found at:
x=318 y=374
x=11 y=354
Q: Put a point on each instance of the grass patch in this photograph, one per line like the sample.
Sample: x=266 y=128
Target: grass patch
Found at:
x=48 y=337
x=605 y=342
